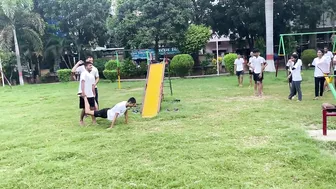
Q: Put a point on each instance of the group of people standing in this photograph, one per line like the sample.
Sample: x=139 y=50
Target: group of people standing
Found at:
x=88 y=95
x=257 y=65
x=323 y=63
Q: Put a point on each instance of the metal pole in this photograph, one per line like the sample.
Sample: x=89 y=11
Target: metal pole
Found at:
x=118 y=70
x=217 y=56
x=308 y=33
x=2 y=74
x=301 y=42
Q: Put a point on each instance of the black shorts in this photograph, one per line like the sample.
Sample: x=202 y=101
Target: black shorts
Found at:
x=82 y=103
x=239 y=73
x=256 y=77
x=250 y=72
x=101 y=113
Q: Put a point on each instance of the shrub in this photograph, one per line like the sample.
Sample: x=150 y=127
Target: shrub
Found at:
x=111 y=75
x=111 y=65
x=128 y=69
x=229 y=60
x=64 y=75
x=308 y=56
x=182 y=64
x=100 y=65
x=142 y=69
x=214 y=62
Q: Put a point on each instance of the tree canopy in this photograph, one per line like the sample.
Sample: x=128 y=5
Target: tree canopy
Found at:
x=149 y=22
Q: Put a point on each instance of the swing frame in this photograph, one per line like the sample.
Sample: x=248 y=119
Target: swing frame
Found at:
x=282 y=44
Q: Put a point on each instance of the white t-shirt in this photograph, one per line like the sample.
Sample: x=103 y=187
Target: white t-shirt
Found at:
x=240 y=64
x=257 y=64
x=118 y=108
x=329 y=54
x=250 y=61
x=296 y=73
x=94 y=71
x=89 y=81
x=321 y=64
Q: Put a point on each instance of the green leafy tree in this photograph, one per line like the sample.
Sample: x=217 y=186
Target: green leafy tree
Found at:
x=147 y=23
x=57 y=48
x=245 y=19
x=194 y=40
x=201 y=11
x=18 y=22
x=81 y=21
x=309 y=14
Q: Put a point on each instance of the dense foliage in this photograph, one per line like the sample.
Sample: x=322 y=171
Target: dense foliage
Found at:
x=308 y=56
x=182 y=64
x=64 y=75
x=229 y=60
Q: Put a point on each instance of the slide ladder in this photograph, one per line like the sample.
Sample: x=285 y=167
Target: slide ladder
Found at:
x=153 y=90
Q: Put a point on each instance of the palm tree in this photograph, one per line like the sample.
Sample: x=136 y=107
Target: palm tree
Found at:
x=57 y=47
x=16 y=20
x=269 y=35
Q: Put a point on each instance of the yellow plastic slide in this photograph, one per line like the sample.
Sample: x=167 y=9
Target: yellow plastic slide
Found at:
x=152 y=98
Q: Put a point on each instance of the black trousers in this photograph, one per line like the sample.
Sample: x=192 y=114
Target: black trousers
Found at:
x=319 y=86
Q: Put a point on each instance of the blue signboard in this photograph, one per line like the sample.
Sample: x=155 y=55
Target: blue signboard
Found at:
x=141 y=54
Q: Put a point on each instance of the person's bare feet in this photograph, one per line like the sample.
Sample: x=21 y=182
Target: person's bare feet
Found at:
x=81 y=123
x=94 y=123
x=110 y=128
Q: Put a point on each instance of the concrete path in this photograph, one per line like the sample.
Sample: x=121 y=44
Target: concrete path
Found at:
x=317 y=135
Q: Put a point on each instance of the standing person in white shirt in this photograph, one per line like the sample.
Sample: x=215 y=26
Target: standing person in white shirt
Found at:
x=87 y=89
x=239 y=69
x=258 y=65
x=80 y=68
x=296 y=78
x=328 y=55
x=112 y=114
x=250 y=69
x=321 y=67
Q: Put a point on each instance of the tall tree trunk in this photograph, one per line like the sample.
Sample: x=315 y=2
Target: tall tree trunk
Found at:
x=18 y=58
x=250 y=42
x=65 y=62
x=156 y=48
x=38 y=66
x=312 y=38
x=69 y=61
x=269 y=36
x=195 y=56
x=79 y=50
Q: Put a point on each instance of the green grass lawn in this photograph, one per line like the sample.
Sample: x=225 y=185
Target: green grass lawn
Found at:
x=222 y=137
